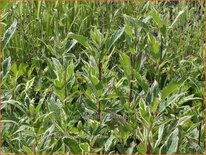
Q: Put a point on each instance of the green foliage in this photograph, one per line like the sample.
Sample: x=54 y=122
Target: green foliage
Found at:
x=103 y=78
x=9 y=33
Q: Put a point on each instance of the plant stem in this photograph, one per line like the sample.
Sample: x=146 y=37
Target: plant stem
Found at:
x=149 y=149
x=131 y=87
x=100 y=70
x=160 y=61
x=180 y=139
x=132 y=59
x=100 y=79
x=65 y=86
x=199 y=137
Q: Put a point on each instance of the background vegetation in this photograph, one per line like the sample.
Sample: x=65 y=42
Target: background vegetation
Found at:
x=94 y=77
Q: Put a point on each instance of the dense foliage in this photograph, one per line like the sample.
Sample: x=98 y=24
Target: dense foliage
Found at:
x=91 y=77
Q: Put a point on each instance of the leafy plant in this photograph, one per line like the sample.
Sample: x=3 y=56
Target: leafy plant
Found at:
x=106 y=78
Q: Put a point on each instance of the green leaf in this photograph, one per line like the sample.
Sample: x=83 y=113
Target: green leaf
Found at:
x=155 y=47
x=160 y=135
x=121 y=148
x=145 y=113
x=94 y=80
x=174 y=142
x=176 y=19
x=170 y=101
x=108 y=143
x=6 y=66
x=140 y=60
x=57 y=146
x=17 y=104
x=156 y=16
x=90 y=105
x=70 y=70
x=142 y=81
x=163 y=30
x=72 y=145
x=85 y=147
x=27 y=149
x=81 y=39
x=53 y=107
x=169 y=89
x=188 y=98
x=131 y=148
x=153 y=93
x=22 y=69
x=14 y=69
x=97 y=37
x=182 y=120
x=58 y=69
x=171 y=144
x=141 y=148
x=9 y=121
x=113 y=38
x=128 y=30
x=29 y=84
x=126 y=64
x=70 y=45
x=50 y=48
x=9 y=33
x=135 y=22
x=31 y=109
x=155 y=105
